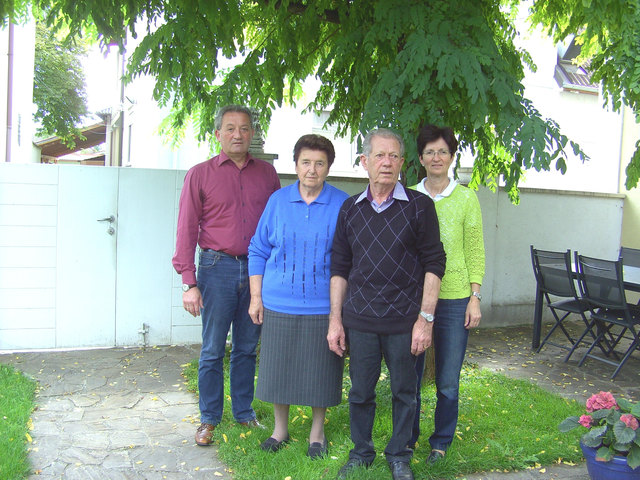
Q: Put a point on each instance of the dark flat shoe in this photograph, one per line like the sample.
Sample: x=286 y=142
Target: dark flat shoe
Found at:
x=317 y=449
x=401 y=471
x=434 y=456
x=273 y=445
x=348 y=468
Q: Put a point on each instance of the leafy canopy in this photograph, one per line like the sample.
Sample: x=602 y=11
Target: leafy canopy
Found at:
x=59 y=89
x=397 y=63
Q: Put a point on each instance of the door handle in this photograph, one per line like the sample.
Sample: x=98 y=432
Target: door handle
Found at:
x=109 y=219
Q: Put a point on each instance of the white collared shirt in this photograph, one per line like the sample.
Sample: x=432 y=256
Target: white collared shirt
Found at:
x=444 y=194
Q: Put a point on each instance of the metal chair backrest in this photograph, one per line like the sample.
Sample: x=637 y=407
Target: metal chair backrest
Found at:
x=601 y=282
x=630 y=256
x=553 y=272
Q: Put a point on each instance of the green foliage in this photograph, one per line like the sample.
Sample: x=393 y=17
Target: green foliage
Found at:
x=16 y=11
x=397 y=63
x=16 y=405
x=59 y=85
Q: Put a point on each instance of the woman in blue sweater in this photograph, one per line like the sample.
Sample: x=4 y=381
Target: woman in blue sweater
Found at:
x=289 y=260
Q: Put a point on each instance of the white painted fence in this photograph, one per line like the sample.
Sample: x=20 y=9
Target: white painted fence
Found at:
x=65 y=281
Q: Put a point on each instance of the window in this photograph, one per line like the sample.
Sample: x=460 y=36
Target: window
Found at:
x=569 y=75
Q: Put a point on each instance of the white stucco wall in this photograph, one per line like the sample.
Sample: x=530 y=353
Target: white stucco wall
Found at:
x=55 y=256
x=21 y=125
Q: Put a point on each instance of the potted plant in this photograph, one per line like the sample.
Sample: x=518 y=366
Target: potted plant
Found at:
x=611 y=444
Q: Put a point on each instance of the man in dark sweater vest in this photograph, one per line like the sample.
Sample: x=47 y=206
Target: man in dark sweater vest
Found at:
x=386 y=266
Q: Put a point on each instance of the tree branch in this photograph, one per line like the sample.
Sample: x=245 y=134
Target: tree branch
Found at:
x=298 y=8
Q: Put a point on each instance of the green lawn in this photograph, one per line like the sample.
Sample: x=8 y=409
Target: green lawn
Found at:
x=16 y=405
x=504 y=424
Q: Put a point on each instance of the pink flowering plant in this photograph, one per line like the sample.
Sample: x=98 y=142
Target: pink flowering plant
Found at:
x=612 y=427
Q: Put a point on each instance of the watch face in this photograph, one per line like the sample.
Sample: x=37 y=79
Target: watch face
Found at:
x=427 y=316
x=185 y=287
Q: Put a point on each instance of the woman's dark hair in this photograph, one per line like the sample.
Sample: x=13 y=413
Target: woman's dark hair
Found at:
x=314 y=142
x=431 y=133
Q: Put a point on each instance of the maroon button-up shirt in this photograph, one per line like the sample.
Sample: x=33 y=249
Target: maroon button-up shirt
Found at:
x=220 y=206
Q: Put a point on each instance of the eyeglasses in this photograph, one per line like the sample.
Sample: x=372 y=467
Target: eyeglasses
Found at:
x=432 y=153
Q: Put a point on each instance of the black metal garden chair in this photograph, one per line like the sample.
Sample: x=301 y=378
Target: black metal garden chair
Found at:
x=602 y=286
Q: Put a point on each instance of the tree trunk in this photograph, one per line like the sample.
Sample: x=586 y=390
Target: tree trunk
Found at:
x=429 y=374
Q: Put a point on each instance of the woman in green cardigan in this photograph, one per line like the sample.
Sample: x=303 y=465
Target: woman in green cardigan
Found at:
x=458 y=308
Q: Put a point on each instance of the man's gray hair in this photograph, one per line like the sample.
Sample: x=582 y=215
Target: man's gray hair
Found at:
x=381 y=132
x=233 y=108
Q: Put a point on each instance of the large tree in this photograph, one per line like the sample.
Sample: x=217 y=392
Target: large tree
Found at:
x=59 y=89
x=397 y=63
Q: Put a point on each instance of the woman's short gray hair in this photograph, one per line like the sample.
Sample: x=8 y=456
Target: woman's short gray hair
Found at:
x=381 y=132
x=233 y=108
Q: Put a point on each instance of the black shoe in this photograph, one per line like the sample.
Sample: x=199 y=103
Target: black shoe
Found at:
x=401 y=470
x=434 y=456
x=273 y=445
x=351 y=465
x=317 y=449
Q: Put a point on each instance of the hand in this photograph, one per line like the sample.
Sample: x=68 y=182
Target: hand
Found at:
x=256 y=309
x=421 y=336
x=473 y=314
x=192 y=301
x=336 y=337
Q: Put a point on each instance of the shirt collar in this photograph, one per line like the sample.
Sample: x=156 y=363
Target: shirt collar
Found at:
x=398 y=193
x=223 y=157
x=444 y=194
x=294 y=193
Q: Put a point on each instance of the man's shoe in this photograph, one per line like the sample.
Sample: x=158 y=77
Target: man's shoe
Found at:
x=351 y=465
x=434 y=456
x=317 y=449
x=401 y=470
x=204 y=434
x=252 y=424
x=273 y=445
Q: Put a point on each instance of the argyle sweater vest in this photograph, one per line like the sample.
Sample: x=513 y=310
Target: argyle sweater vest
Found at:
x=384 y=257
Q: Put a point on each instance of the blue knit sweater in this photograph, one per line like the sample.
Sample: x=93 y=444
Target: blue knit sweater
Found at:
x=292 y=250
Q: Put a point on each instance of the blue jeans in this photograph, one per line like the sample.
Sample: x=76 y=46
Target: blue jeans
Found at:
x=224 y=283
x=450 y=344
x=366 y=352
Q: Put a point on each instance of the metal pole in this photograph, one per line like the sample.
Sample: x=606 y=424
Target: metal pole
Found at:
x=9 y=93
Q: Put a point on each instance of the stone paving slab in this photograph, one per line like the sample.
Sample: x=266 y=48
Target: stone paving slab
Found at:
x=121 y=414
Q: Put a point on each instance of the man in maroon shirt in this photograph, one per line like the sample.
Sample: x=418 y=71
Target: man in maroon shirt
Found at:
x=220 y=205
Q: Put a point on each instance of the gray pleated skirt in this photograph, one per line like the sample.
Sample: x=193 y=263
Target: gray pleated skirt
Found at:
x=296 y=365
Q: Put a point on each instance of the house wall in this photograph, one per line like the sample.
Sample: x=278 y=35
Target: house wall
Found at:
x=21 y=124
x=631 y=218
x=65 y=282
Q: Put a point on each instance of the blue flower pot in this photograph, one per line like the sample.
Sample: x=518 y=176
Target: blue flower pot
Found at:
x=616 y=469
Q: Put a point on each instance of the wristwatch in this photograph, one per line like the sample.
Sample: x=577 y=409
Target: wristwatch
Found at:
x=427 y=316
x=186 y=287
x=477 y=295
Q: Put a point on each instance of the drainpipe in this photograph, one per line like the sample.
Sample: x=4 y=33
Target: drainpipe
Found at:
x=9 y=93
